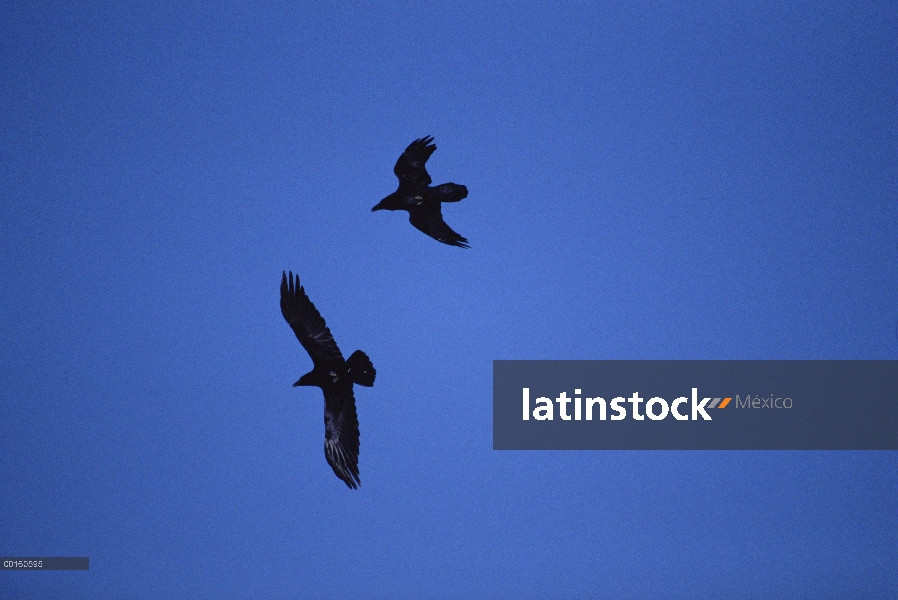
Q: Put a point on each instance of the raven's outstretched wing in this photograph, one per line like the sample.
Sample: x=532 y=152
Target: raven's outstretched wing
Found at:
x=429 y=219
x=410 y=166
x=306 y=322
x=341 y=435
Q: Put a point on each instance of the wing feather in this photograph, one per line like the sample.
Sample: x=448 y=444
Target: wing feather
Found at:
x=307 y=323
x=341 y=435
x=410 y=166
x=429 y=219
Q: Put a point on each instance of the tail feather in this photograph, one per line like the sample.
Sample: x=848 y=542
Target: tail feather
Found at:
x=361 y=370
x=449 y=192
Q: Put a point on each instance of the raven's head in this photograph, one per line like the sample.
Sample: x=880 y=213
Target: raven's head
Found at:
x=307 y=379
x=388 y=203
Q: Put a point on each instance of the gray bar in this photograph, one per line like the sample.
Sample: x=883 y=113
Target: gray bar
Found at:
x=764 y=405
x=45 y=563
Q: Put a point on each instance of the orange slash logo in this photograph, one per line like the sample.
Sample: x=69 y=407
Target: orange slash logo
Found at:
x=722 y=404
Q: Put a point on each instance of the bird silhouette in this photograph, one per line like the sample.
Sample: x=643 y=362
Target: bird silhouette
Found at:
x=333 y=375
x=422 y=201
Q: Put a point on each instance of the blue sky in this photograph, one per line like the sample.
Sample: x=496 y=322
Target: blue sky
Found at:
x=647 y=181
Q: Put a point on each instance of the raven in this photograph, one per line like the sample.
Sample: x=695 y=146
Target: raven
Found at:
x=333 y=375
x=420 y=200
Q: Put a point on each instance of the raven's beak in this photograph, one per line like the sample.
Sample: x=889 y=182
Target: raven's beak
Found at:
x=378 y=207
x=305 y=380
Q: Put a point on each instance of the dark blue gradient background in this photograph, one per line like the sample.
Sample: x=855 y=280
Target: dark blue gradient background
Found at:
x=647 y=181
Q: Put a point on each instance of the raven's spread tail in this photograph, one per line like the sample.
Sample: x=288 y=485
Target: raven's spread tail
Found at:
x=361 y=371
x=449 y=192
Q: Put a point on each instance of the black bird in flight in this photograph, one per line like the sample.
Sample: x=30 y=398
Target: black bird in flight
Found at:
x=333 y=375
x=420 y=200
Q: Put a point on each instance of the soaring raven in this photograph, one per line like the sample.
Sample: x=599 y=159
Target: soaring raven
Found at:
x=333 y=375
x=420 y=200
